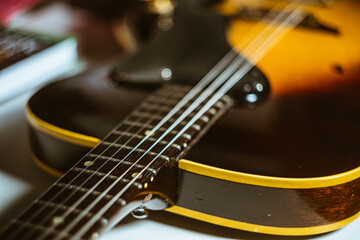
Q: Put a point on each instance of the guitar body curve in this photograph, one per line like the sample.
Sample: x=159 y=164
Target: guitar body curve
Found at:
x=265 y=174
x=288 y=167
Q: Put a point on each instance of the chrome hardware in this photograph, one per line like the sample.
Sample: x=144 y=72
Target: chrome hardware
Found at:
x=140 y=213
x=166 y=73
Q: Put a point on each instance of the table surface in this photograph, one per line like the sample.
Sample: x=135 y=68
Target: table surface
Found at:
x=21 y=181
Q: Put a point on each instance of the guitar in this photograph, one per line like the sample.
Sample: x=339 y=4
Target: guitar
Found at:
x=288 y=166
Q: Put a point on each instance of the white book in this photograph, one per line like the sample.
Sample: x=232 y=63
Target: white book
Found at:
x=28 y=60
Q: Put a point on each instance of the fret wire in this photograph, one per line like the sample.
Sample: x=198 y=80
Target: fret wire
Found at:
x=124 y=146
x=156 y=107
x=152 y=139
x=123 y=162
x=147 y=115
x=163 y=129
x=113 y=177
x=94 y=192
x=62 y=206
x=40 y=227
x=217 y=96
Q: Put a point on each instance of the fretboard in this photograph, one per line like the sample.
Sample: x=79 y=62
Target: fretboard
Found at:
x=106 y=184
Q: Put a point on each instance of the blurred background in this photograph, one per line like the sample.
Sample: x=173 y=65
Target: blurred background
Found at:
x=103 y=29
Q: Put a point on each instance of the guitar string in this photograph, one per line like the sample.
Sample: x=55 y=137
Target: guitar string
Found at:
x=101 y=154
x=109 y=158
x=127 y=130
x=99 y=197
x=223 y=90
x=166 y=147
x=175 y=110
x=132 y=137
x=222 y=65
x=109 y=134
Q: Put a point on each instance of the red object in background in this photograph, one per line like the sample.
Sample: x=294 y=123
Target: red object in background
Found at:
x=9 y=8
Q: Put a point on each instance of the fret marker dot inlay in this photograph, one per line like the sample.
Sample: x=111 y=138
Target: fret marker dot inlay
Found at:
x=57 y=220
x=145 y=185
x=185 y=145
x=147 y=132
x=88 y=163
x=151 y=179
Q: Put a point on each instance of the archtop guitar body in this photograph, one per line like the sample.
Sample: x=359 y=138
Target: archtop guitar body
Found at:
x=288 y=166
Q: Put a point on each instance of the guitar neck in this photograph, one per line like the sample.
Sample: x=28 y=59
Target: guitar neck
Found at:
x=109 y=182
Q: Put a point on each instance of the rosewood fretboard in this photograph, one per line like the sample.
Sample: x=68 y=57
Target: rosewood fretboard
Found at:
x=106 y=184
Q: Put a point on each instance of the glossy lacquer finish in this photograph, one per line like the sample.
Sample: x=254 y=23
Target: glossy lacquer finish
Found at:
x=289 y=166
x=309 y=136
